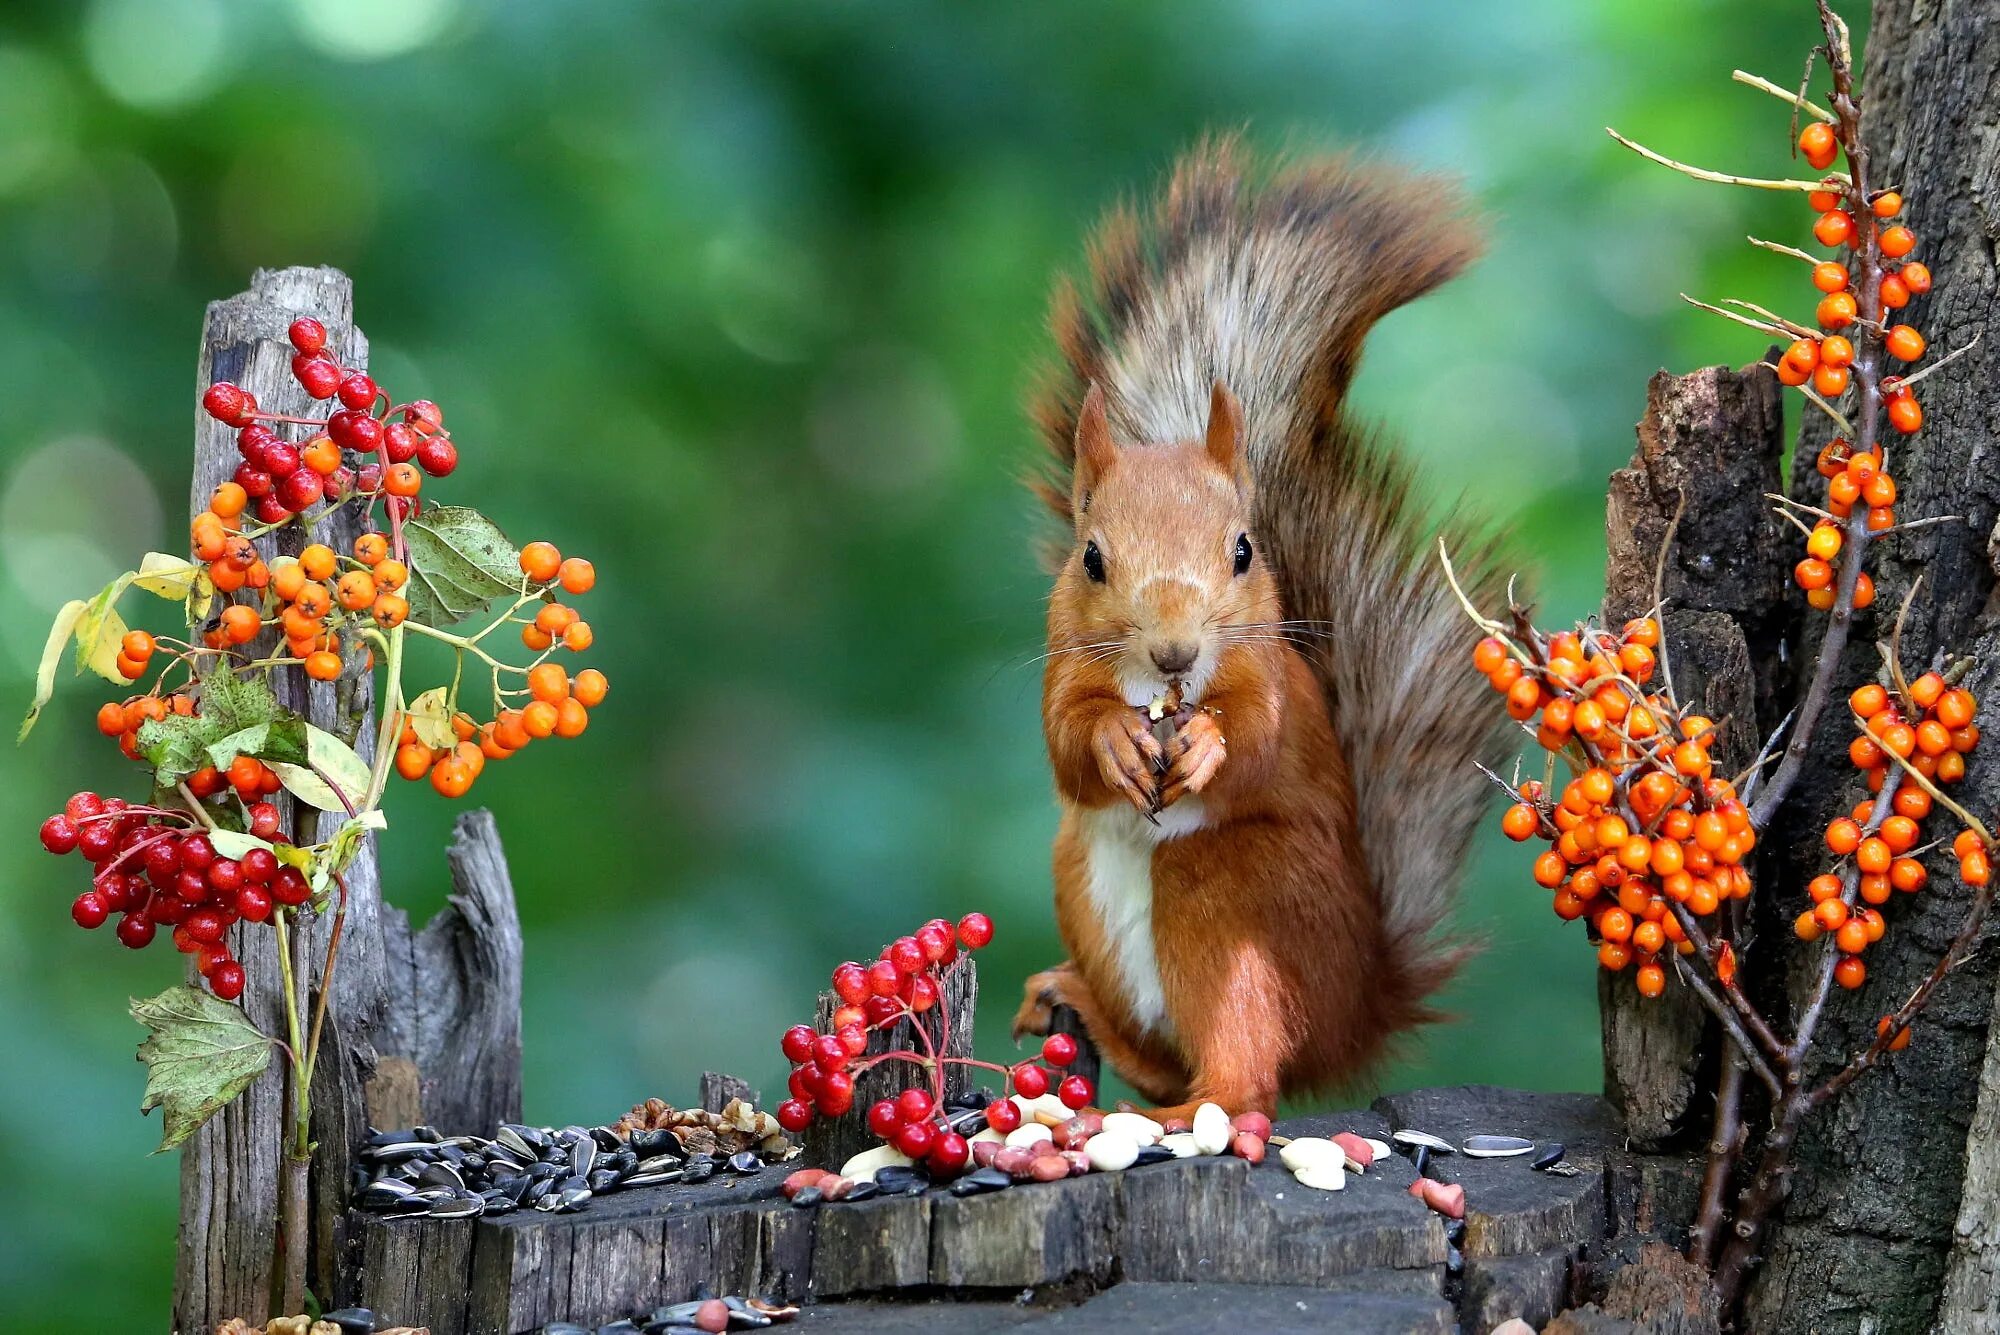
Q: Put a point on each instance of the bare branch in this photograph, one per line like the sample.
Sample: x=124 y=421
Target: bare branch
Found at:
x=1796 y=99
x=1724 y=178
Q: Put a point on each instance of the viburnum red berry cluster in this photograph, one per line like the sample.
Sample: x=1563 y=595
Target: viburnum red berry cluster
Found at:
x=154 y=867
x=906 y=982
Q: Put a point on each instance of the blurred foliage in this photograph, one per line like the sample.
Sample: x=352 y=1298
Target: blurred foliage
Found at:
x=739 y=299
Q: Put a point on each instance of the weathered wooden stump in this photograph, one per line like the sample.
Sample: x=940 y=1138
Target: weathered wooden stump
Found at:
x=1197 y=1236
x=421 y=1026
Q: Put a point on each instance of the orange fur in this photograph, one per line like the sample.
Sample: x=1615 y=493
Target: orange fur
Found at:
x=1239 y=927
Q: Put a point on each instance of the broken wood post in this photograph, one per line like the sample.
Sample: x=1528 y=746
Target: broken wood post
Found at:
x=1687 y=522
x=718 y=1091
x=416 y=1026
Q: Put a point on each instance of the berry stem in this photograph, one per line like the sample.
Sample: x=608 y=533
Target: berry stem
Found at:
x=1785 y=94
x=1723 y=178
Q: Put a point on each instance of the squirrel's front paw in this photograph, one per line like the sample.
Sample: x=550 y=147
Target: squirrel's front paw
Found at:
x=1129 y=757
x=1198 y=751
x=1040 y=996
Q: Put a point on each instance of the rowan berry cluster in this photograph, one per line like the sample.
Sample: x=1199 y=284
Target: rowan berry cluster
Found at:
x=153 y=867
x=1645 y=831
x=1879 y=853
x=907 y=982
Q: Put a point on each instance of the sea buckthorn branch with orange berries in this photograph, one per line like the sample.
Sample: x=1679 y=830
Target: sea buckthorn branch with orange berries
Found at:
x=1645 y=843
x=205 y=852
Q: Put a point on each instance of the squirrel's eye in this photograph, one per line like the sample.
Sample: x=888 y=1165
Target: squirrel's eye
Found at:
x=1242 y=552
x=1093 y=562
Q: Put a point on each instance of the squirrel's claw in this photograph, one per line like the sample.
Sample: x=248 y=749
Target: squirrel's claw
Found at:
x=1127 y=758
x=1199 y=750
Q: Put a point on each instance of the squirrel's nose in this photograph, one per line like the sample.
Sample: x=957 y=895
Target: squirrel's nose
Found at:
x=1173 y=657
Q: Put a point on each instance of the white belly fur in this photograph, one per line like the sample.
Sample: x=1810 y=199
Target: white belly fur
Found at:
x=1118 y=851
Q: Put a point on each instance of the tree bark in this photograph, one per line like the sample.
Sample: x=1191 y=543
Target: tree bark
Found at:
x=1687 y=521
x=446 y=1003
x=1865 y=1242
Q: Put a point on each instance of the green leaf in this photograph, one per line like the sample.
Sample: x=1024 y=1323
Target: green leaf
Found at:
x=234 y=843
x=431 y=718
x=45 y=675
x=202 y=1053
x=459 y=562
x=347 y=840
x=281 y=739
x=177 y=746
x=326 y=755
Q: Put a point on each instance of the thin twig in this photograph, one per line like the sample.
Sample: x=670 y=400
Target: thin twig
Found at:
x=1761 y=326
x=1485 y=623
x=1729 y=1024
x=1776 y=248
x=1747 y=780
x=1921 y=523
x=1839 y=419
x=1796 y=328
x=1796 y=99
x=1723 y=178
x=1940 y=363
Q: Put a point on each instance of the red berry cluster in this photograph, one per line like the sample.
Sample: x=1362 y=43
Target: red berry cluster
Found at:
x=151 y=867
x=906 y=982
x=285 y=478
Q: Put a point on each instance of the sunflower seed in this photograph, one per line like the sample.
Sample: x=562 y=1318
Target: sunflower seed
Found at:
x=1497 y=1147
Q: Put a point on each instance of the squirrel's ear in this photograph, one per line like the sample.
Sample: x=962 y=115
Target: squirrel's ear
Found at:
x=1094 y=451
x=1225 y=430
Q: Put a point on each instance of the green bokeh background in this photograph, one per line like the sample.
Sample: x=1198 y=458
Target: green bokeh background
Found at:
x=739 y=299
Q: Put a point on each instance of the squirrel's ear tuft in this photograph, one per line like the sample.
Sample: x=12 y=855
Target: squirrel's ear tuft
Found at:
x=1094 y=451
x=1225 y=430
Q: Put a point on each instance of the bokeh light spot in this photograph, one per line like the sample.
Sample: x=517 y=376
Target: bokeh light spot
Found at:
x=371 y=29
x=155 y=54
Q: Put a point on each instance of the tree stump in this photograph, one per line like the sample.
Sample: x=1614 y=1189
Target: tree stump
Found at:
x=1687 y=522
x=424 y=1025
x=1893 y=1221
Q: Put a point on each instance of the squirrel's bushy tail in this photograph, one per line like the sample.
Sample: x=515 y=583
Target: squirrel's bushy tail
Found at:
x=1270 y=281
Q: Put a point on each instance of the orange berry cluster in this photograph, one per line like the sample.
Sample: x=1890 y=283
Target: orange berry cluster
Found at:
x=122 y=720
x=1824 y=361
x=1646 y=824
x=1884 y=850
x=542 y=563
x=249 y=776
x=1851 y=479
x=560 y=708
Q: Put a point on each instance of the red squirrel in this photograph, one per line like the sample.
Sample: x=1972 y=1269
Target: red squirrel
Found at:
x=1256 y=699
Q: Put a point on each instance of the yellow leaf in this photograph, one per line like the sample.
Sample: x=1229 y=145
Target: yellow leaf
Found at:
x=98 y=632
x=169 y=577
x=201 y=597
x=431 y=718
x=45 y=674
